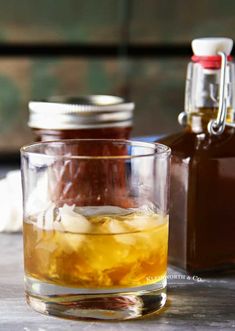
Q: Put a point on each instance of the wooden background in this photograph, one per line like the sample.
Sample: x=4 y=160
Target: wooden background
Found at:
x=138 y=49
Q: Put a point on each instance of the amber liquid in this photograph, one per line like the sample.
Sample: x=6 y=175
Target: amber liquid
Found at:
x=202 y=207
x=100 y=251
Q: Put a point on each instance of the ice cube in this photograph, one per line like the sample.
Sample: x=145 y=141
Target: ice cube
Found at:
x=58 y=226
x=114 y=226
x=120 y=231
x=72 y=221
x=102 y=210
x=48 y=246
x=127 y=239
x=142 y=222
x=71 y=242
x=45 y=219
x=39 y=196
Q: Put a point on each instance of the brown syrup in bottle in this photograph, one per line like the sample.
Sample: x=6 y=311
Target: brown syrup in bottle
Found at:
x=202 y=208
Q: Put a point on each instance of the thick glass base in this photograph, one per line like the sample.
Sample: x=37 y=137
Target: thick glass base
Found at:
x=72 y=303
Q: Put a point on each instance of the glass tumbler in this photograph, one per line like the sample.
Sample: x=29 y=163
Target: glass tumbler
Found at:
x=95 y=227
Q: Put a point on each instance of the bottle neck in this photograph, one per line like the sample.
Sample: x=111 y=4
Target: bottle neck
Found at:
x=197 y=121
x=202 y=95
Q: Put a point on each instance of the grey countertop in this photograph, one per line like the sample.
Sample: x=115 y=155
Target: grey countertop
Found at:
x=193 y=304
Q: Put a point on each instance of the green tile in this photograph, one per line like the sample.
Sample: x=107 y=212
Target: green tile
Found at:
x=157 y=87
x=179 y=21
x=60 y=20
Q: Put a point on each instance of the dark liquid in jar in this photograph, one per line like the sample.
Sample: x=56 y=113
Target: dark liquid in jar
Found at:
x=85 y=182
x=92 y=133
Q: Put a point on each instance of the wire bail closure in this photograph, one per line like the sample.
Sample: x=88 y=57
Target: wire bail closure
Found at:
x=216 y=127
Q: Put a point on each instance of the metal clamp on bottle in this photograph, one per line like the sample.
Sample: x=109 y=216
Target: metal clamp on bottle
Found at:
x=210 y=87
x=216 y=127
x=182 y=118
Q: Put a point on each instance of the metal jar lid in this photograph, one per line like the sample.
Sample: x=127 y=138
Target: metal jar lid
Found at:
x=91 y=111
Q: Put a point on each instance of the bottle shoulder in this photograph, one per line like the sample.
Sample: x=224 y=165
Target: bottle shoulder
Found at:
x=188 y=144
x=181 y=143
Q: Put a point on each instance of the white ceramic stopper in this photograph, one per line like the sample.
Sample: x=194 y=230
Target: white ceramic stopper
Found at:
x=211 y=46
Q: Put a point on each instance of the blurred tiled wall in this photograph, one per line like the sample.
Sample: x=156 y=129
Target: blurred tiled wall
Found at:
x=155 y=84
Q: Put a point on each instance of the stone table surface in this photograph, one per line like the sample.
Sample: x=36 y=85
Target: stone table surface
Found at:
x=193 y=303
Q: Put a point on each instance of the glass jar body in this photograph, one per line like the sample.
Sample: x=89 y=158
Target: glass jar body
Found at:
x=90 y=133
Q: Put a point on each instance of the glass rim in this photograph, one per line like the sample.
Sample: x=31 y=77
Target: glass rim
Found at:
x=158 y=149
